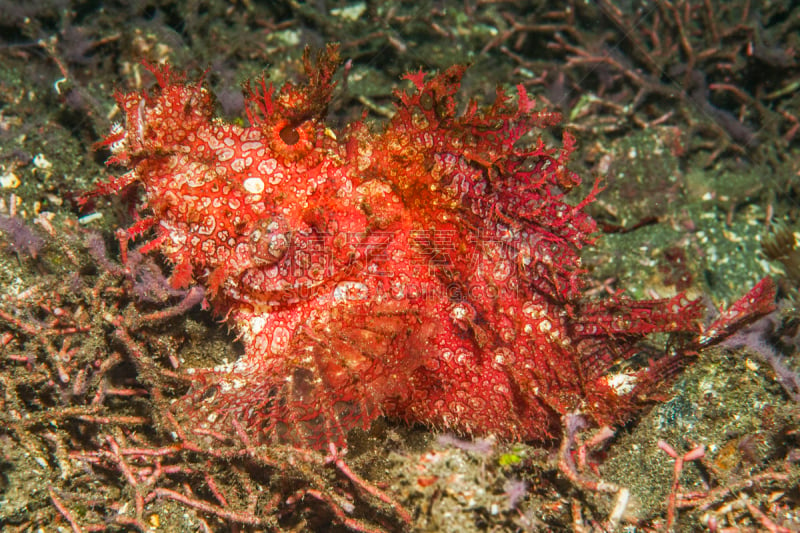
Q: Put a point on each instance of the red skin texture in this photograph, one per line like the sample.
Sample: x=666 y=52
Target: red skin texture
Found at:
x=428 y=271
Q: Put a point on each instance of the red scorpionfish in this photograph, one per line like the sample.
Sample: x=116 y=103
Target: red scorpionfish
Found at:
x=428 y=271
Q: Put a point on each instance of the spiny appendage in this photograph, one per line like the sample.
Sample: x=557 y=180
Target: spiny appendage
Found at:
x=477 y=384
x=613 y=332
x=607 y=334
x=277 y=401
x=478 y=400
x=289 y=406
x=427 y=118
x=292 y=102
x=759 y=301
x=155 y=121
x=469 y=163
x=292 y=120
x=327 y=380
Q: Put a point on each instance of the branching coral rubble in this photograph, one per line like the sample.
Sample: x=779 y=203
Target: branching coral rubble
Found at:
x=428 y=271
